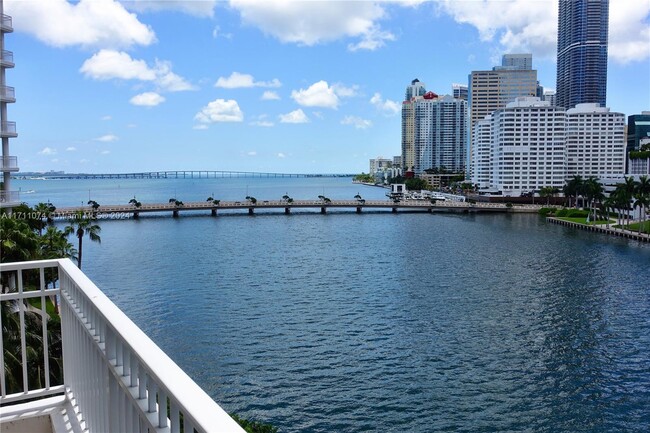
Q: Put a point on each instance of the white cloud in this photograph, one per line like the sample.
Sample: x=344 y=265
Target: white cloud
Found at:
x=107 y=117
x=251 y=153
x=237 y=80
x=87 y=23
x=107 y=138
x=200 y=126
x=310 y=23
x=71 y=149
x=281 y=155
x=321 y=94
x=83 y=161
x=105 y=152
x=297 y=116
x=111 y=64
x=220 y=110
x=201 y=9
x=147 y=99
x=387 y=106
x=263 y=123
x=47 y=151
x=357 y=122
x=531 y=26
x=270 y=95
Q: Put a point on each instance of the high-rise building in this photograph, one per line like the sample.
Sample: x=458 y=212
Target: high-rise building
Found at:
x=638 y=128
x=582 y=52
x=459 y=91
x=408 y=135
x=549 y=95
x=517 y=61
x=492 y=90
x=415 y=89
x=8 y=164
x=481 y=166
x=527 y=148
x=440 y=133
x=595 y=142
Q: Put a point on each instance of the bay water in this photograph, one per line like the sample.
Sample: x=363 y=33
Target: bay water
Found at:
x=379 y=322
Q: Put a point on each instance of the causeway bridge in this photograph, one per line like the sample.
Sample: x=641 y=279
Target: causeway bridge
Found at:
x=249 y=207
x=177 y=174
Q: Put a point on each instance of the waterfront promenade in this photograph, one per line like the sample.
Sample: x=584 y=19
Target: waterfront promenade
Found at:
x=286 y=206
x=602 y=228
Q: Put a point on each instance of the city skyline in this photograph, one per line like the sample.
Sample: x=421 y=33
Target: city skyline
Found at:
x=308 y=87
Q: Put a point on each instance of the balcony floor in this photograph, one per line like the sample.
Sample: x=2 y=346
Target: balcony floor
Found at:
x=49 y=415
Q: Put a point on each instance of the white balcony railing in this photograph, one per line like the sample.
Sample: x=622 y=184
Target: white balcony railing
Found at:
x=7 y=93
x=9 y=198
x=114 y=377
x=8 y=129
x=7 y=58
x=9 y=163
x=6 y=24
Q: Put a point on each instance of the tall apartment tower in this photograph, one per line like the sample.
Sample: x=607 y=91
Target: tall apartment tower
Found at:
x=596 y=142
x=582 y=52
x=9 y=163
x=491 y=90
x=416 y=89
x=440 y=133
x=459 y=91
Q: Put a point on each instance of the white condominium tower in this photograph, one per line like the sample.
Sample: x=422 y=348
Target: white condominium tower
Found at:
x=8 y=163
x=440 y=133
x=528 y=148
x=596 y=142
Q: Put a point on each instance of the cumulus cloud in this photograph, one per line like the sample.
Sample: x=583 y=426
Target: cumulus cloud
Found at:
x=357 y=122
x=71 y=149
x=105 y=152
x=107 y=117
x=310 y=23
x=297 y=116
x=264 y=123
x=270 y=95
x=201 y=9
x=321 y=94
x=281 y=155
x=237 y=80
x=200 y=126
x=220 y=110
x=147 y=99
x=251 y=153
x=107 y=138
x=87 y=23
x=386 y=106
x=111 y=64
x=47 y=151
x=531 y=26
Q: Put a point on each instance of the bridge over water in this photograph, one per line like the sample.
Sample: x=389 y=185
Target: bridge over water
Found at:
x=126 y=211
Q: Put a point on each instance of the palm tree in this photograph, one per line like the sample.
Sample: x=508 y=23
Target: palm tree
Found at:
x=573 y=188
x=135 y=202
x=358 y=196
x=44 y=212
x=593 y=190
x=643 y=196
x=18 y=241
x=628 y=188
x=548 y=192
x=81 y=224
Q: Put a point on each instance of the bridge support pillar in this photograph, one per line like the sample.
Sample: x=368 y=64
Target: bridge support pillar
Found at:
x=250 y=211
x=136 y=215
x=287 y=210
x=394 y=210
x=430 y=210
x=175 y=214
x=358 y=209
x=213 y=212
x=323 y=210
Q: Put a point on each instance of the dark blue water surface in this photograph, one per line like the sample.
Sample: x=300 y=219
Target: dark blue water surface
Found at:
x=381 y=322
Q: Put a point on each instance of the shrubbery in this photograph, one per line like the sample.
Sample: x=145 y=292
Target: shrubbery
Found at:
x=547 y=211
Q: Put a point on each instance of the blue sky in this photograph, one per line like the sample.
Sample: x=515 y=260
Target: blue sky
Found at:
x=273 y=86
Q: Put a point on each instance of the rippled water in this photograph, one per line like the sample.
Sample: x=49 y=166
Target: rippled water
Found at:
x=382 y=322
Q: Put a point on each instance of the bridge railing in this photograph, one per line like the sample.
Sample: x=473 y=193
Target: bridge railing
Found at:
x=115 y=376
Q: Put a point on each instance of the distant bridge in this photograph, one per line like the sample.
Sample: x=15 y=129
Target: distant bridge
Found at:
x=176 y=174
x=127 y=211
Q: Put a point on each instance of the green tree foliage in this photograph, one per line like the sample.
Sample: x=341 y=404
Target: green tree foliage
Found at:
x=81 y=224
x=416 y=184
x=254 y=426
x=363 y=177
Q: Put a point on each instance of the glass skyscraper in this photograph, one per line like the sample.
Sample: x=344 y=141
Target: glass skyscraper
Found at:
x=582 y=52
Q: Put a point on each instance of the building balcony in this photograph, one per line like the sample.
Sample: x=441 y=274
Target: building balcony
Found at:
x=8 y=129
x=8 y=163
x=6 y=25
x=7 y=59
x=7 y=94
x=9 y=198
x=113 y=378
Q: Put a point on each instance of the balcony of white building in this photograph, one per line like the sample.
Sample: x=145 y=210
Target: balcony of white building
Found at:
x=6 y=24
x=95 y=370
x=7 y=59
x=7 y=94
x=8 y=164
x=9 y=198
x=8 y=129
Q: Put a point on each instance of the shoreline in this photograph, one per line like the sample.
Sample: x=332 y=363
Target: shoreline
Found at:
x=641 y=237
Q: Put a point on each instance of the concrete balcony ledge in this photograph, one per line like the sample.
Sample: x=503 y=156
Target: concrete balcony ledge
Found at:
x=115 y=379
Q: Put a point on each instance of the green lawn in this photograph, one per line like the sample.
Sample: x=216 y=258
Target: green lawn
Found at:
x=581 y=220
x=634 y=227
